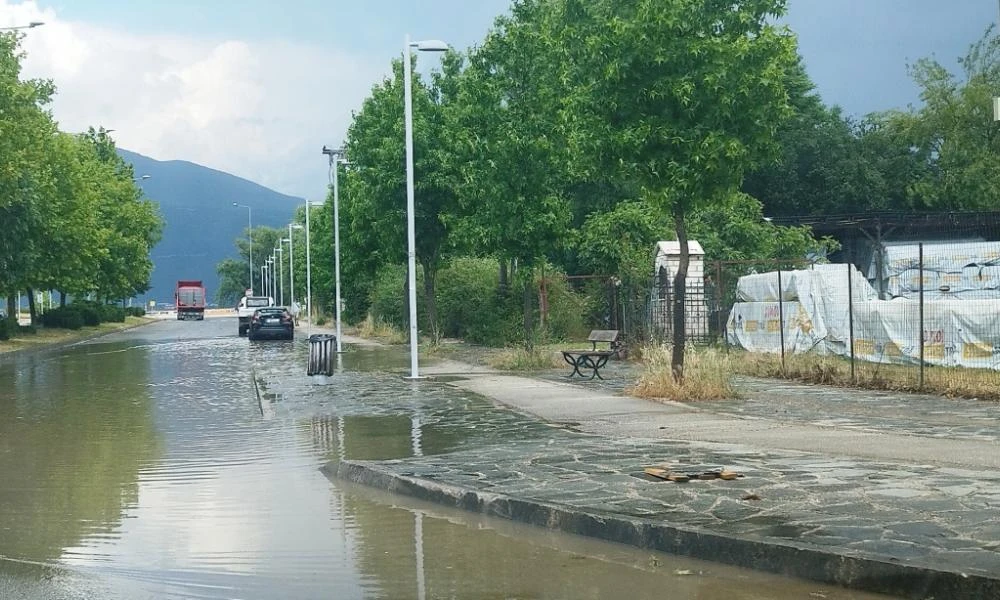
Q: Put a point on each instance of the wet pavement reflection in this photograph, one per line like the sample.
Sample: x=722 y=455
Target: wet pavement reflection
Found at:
x=180 y=461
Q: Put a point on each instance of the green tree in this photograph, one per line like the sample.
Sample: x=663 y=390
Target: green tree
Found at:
x=234 y=273
x=130 y=223
x=511 y=150
x=681 y=97
x=953 y=133
x=374 y=206
x=25 y=128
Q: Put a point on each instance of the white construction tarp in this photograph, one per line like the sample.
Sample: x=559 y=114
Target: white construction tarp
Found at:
x=965 y=270
x=955 y=332
x=798 y=284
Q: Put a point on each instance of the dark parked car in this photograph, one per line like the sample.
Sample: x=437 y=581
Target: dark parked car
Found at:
x=271 y=322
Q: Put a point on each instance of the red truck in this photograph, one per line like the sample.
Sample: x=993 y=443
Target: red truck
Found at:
x=190 y=300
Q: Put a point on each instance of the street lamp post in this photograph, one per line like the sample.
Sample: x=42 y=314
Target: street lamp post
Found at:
x=281 y=273
x=336 y=159
x=291 y=265
x=423 y=46
x=30 y=25
x=309 y=296
x=250 y=236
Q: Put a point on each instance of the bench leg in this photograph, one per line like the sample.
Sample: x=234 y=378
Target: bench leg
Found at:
x=573 y=362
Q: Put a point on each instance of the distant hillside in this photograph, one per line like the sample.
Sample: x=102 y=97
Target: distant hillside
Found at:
x=201 y=221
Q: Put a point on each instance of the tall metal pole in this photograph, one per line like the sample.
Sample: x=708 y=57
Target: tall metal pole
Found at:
x=336 y=247
x=410 y=226
x=309 y=290
x=250 y=237
x=291 y=268
x=281 y=275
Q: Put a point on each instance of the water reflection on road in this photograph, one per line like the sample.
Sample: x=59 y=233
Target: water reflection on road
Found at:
x=145 y=466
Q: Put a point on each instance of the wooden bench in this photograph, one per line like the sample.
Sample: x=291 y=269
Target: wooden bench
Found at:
x=593 y=359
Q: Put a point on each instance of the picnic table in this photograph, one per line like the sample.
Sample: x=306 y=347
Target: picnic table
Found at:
x=593 y=359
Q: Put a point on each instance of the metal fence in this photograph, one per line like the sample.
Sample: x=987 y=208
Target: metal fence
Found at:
x=922 y=316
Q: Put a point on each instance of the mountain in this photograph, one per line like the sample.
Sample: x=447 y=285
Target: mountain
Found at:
x=201 y=222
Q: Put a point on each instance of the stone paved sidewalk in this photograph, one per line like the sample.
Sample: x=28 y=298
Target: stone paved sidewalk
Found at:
x=904 y=484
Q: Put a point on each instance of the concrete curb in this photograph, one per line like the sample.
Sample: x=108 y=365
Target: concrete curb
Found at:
x=850 y=570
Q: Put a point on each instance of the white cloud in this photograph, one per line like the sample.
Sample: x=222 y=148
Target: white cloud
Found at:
x=257 y=109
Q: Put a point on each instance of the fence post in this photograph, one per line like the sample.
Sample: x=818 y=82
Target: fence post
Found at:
x=719 y=295
x=850 y=319
x=920 y=267
x=781 y=322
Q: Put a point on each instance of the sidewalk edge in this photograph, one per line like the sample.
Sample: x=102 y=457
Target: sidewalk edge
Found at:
x=830 y=567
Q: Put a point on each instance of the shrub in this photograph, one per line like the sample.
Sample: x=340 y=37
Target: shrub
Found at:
x=90 y=314
x=63 y=317
x=135 y=311
x=388 y=301
x=6 y=326
x=111 y=313
x=471 y=307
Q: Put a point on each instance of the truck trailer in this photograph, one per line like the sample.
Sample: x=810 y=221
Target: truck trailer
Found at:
x=189 y=299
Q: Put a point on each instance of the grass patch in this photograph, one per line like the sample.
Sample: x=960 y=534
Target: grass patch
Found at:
x=377 y=329
x=960 y=382
x=707 y=375
x=538 y=358
x=44 y=336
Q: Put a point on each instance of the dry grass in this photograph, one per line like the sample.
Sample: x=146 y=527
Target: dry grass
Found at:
x=376 y=329
x=538 y=358
x=47 y=337
x=707 y=376
x=959 y=382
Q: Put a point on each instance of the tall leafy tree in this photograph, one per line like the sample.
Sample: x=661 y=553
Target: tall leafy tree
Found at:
x=953 y=133
x=374 y=207
x=25 y=128
x=682 y=97
x=511 y=147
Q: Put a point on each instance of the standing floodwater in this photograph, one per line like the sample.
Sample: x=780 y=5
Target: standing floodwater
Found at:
x=151 y=464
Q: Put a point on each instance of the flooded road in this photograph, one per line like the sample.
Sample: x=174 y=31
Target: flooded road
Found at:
x=180 y=461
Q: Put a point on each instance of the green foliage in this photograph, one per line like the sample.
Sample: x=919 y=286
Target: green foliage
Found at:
x=73 y=218
x=471 y=308
x=63 y=317
x=829 y=164
x=621 y=241
x=388 y=298
x=953 y=133
x=90 y=313
x=7 y=327
x=135 y=311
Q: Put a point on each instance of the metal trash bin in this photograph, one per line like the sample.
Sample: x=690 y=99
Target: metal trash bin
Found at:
x=322 y=349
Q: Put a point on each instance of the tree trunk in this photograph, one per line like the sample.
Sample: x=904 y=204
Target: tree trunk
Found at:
x=12 y=307
x=680 y=281
x=62 y=299
x=429 y=283
x=31 y=306
x=528 y=295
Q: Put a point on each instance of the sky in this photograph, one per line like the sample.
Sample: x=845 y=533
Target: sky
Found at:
x=257 y=87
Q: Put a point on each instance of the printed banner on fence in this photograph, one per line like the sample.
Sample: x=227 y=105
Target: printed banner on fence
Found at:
x=955 y=332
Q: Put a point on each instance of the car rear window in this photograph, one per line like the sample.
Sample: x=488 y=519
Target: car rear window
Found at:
x=253 y=302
